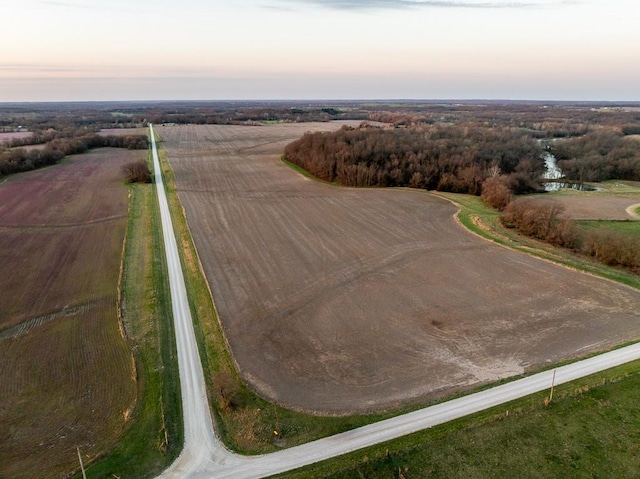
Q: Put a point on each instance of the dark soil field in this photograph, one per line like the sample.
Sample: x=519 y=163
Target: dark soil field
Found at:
x=65 y=368
x=339 y=300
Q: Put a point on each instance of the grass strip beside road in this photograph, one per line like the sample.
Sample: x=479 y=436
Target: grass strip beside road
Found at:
x=245 y=421
x=154 y=438
x=590 y=428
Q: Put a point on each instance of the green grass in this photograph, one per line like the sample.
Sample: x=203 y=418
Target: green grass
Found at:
x=590 y=429
x=142 y=451
x=625 y=227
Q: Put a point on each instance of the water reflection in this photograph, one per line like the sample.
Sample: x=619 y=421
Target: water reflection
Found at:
x=559 y=185
x=553 y=174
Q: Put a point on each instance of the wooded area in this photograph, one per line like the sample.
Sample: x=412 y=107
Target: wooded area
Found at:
x=439 y=157
x=599 y=156
x=14 y=159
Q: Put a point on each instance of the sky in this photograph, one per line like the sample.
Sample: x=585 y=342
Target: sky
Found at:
x=83 y=50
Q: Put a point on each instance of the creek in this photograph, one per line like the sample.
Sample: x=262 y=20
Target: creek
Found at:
x=554 y=177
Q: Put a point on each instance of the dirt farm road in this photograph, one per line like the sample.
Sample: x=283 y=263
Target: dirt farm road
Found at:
x=204 y=455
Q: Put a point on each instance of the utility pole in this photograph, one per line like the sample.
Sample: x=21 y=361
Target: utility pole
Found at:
x=84 y=474
x=553 y=381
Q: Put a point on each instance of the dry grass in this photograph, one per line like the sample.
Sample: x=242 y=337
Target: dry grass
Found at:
x=66 y=370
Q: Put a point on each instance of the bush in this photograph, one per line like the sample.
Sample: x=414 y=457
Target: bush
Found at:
x=496 y=192
x=613 y=248
x=229 y=391
x=565 y=233
x=136 y=172
x=631 y=130
x=541 y=221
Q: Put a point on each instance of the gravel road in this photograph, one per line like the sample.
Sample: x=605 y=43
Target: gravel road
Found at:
x=204 y=455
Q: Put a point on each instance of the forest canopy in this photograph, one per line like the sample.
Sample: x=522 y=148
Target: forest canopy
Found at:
x=599 y=156
x=453 y=158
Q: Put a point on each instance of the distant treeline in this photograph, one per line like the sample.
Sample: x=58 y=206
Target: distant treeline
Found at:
x=247 y=115
x=16 y=160
x=599 y=156
x=444 y=158
x=95 y=115
x=538 y=119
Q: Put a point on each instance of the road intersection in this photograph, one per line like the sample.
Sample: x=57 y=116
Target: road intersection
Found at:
x=205 y=456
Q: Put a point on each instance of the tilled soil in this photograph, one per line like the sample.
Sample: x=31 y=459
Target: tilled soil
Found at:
x=595 y=205
x=66 y=374
x=339 y=300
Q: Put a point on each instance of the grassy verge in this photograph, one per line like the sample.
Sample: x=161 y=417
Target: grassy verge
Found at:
x=154 y=437
x=484 y=221
x=245 y=421
x=626 y=227
x=590 y=429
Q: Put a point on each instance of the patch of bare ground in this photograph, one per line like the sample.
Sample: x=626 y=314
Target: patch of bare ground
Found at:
x=596 y=205
x=17 y=134
x=338 y=300
x=632 y=209
x=33 y=147
x=66 y=370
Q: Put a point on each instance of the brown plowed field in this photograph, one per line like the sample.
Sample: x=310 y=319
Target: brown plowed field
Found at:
x=595 y=205
x=340 y=300
x=66 y=373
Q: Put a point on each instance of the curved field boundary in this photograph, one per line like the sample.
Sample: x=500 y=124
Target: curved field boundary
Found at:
x=210 y=459
x=338 y=300
x=632 y=211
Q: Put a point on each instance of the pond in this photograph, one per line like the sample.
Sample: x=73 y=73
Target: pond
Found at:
x=554 y=176
x=559 y=185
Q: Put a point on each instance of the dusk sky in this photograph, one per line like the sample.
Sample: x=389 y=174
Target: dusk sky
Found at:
x=319 y=49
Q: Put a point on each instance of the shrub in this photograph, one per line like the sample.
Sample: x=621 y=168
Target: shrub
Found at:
x=565 y=233
x=541 y=221
x=229 y=391
x=613 y=248
x=136 y=172
x=496 y=192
